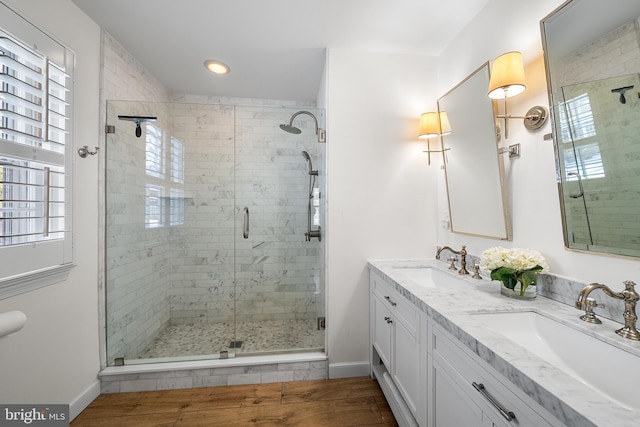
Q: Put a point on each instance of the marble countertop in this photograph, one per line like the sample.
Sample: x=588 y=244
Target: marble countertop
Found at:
x=568 y=399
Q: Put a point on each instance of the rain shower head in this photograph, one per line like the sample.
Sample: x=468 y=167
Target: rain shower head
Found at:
x=137 y=120
x=292 y=129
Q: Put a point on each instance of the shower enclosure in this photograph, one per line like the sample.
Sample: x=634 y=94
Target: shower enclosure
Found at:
x=207 y=212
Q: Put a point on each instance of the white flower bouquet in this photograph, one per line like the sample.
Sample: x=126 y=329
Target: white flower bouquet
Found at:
x=513 y=266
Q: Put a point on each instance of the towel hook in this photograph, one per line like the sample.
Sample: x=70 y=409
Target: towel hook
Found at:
x=84 y=151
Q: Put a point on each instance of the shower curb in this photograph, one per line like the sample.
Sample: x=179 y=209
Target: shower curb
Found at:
x=211 y=373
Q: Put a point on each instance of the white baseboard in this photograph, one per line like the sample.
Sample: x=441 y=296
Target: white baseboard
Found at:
x=82 y=401
x=350 y=369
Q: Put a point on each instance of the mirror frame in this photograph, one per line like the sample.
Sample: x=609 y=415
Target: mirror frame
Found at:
x=478 y=112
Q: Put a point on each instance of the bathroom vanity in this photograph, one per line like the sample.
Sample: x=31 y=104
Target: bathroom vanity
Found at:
x=449 y=350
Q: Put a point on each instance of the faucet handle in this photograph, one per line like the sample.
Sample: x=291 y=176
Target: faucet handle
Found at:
x=452 y=260
x=589 y=316
x=476 y=269
x=629 y=285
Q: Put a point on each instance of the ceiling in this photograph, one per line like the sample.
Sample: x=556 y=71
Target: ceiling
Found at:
x=275 y=48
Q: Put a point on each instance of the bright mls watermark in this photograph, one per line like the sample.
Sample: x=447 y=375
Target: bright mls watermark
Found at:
x=34 y=415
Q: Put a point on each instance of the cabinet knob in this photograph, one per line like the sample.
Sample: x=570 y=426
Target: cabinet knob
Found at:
x=388 y=319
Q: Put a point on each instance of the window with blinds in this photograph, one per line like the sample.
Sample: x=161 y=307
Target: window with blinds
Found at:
x=576 y=119
x=34 y=116
x=164 y=165
x=35 y=138
x=578 y=131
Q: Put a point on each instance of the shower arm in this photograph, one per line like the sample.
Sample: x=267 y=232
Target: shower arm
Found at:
x=319 y=131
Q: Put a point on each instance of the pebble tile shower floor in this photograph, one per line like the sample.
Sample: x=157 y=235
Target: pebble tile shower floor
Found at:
x=256 y=337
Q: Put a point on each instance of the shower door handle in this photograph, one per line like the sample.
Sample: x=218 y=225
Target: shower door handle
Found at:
x=581 y=193
x=245 y=223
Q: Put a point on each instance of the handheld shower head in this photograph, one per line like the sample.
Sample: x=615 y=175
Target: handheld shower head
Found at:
x=308 y=159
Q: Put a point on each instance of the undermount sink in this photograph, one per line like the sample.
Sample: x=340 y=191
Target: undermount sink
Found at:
x=605 y=368
x=428 y=276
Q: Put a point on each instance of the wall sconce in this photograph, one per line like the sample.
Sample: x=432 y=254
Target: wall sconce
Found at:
x=507 y=80
x=433 y=125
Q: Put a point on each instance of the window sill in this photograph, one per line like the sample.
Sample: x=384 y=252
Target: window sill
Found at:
x=16 y=285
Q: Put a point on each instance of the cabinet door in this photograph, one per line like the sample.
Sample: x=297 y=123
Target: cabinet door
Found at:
x=495 y=400
x=451 y=405
x=406 y=361
x=382 y=326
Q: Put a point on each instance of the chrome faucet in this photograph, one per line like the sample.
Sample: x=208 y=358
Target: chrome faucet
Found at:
x=630 y=298
x=463 y=257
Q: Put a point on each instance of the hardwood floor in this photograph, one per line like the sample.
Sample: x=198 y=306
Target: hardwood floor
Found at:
x=340 y=402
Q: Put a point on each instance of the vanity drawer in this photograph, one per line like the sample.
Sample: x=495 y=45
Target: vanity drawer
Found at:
x=471 y=369
x=401 y=308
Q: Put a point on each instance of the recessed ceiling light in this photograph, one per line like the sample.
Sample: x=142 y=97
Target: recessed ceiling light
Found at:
x=216 y=67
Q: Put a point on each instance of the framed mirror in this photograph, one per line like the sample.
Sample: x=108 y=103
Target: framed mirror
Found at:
x=474 y=170
x=592 y=57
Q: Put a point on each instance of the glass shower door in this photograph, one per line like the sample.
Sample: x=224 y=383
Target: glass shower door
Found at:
x=279 y=274
x=207 y=207
x=169 y=231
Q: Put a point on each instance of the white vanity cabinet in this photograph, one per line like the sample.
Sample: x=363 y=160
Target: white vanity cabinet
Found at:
x=395 y=337
x=465 y=393
x=431 y=379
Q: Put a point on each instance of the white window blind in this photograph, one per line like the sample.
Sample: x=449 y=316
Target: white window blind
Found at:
x=164 y=196
x=177 y=161
x=176 y=201
x=35 y=183
x=155 y=156
x=578 y=131
x=576 y=119
x=154 y=206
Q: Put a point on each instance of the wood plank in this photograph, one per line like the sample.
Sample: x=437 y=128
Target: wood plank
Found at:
x=385 y=411
x=304 y=391
x=233 y=396
x=362 y=411
x=173 y=401
x=147 y=420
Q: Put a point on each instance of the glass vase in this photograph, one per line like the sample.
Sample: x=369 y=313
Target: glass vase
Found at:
x=529 y=293
x=527 y=277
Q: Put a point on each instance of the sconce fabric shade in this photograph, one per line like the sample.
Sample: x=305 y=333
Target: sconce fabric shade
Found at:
x=433 y=124
x=507 y=76
x=445 y=126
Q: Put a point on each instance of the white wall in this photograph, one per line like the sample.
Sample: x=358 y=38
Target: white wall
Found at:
x=502 y=26
x=55 y=358
x=381 y=193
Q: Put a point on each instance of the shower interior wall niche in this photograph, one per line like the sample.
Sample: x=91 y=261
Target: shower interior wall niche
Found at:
x=182 y=282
